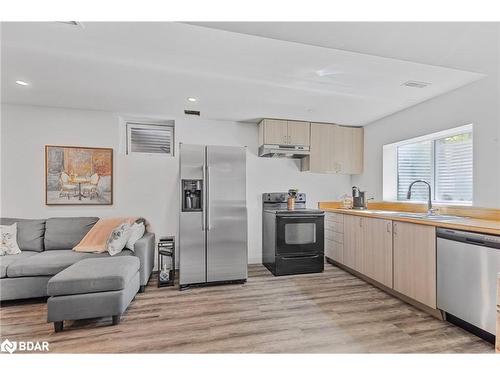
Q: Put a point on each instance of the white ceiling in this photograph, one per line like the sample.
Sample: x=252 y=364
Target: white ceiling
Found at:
x=151 y=68
x=458 y=45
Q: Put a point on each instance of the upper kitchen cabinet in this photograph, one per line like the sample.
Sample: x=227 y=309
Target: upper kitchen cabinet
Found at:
x=284 y=132
x=335 y=149
x=299 y=133
x=273 y=132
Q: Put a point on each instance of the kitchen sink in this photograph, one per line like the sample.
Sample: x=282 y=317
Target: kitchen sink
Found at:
x=429 y=217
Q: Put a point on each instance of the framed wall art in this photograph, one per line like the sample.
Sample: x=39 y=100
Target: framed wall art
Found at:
x=77 y=175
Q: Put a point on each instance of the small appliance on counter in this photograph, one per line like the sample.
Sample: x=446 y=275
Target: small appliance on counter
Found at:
x=358 y=199
x=292 y=240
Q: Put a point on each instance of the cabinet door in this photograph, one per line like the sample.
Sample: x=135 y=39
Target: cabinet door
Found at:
x=275 y=131
x=347 y=153
x=377 y=250
x=353 y=242
x=355 y=140
x=415 y=261
x=298 y=133
x=319 y=159
x=335 y=149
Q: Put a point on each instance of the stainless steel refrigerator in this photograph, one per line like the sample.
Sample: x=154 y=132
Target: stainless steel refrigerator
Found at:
x=213 y=215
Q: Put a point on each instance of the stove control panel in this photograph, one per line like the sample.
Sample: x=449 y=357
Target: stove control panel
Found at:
x=282 y=197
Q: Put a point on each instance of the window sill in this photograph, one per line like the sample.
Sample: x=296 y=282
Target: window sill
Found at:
x=437 y=203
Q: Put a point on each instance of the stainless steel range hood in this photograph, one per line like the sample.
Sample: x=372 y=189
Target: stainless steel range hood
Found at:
x=283 y=151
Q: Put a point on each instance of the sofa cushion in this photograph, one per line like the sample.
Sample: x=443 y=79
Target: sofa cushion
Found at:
x=7 y=260
x=51 y=262
x=66 y=232
x=47 y=263
x=30 y=232
x=94 y=275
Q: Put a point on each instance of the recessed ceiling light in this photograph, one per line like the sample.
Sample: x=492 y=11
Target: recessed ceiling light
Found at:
x=191 y=99
x=22 y=83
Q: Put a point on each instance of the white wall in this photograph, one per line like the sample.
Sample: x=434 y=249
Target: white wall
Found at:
x=143 y=185
x=477 y=103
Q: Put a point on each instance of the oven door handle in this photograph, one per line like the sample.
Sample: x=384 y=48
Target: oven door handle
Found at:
x=301 y=257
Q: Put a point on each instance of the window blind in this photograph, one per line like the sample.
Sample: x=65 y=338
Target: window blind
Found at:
x=414 y=161
x=453 y=173
x=150 y=139
x=445 y=163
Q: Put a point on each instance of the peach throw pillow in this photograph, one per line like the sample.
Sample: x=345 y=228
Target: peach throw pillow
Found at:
x=95 y=241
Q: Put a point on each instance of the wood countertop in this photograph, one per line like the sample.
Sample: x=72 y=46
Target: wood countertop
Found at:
x=390 y=211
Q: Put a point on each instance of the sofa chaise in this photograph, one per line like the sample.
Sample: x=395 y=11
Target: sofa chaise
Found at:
x=46 y=246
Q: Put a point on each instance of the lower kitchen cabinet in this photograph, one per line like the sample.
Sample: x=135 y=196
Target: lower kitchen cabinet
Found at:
x=399 y=255
x=415 y=261
x=334 y=236
x=377 y=250
x=353 y=242
x=368 y=247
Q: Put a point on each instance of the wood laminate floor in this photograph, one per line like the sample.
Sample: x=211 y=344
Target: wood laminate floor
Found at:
x=331 y=312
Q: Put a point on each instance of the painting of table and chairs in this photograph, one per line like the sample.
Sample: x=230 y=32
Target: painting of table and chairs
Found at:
x=78 y=175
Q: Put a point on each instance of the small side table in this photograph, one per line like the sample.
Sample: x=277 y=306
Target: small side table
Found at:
x=166 y=261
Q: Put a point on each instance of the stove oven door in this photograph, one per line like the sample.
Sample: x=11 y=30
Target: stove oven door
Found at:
x=299 y=234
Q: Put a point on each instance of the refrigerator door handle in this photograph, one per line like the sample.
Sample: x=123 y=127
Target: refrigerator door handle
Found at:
x=203 y=200
x=208 y=198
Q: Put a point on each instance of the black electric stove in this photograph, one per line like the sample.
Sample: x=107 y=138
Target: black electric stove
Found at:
x=292 y=240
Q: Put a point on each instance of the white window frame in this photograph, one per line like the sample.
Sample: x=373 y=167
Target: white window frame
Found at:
x=144 y=123
x=390 y=164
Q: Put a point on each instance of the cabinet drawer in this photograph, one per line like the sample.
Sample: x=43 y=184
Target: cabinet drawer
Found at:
x=331 y=216
x=295 y=265
x=334 y=250
x=334 y=226
x=334 y=236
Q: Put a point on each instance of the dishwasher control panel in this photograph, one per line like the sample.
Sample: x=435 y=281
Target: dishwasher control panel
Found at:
x=480 y=239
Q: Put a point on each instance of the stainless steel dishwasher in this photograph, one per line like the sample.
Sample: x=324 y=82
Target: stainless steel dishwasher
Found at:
x=467 y=269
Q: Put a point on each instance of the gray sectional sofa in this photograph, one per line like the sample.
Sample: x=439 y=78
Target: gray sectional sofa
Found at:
x=46 y=246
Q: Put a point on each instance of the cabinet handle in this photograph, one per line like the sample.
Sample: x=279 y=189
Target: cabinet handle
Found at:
x=360 y=222
x=389 y=227
x=395 y=229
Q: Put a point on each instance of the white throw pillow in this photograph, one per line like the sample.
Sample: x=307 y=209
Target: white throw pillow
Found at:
x=8 y=240
x=118 y=239
x=136 y=232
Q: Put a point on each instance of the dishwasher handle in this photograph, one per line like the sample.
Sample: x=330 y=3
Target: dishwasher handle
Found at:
x=475 y=241
x=478 y=239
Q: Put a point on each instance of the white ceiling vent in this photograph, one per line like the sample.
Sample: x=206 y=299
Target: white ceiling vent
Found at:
x=417 y=84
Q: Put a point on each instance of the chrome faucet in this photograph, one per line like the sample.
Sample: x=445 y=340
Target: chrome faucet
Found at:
x=430 y=210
